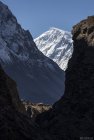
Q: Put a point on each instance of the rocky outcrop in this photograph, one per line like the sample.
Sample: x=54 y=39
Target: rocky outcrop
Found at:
x=34 y=109
x=14 y=123
x=72 y=117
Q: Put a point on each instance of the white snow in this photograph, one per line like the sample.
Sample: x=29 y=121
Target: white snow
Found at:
x=57 y=45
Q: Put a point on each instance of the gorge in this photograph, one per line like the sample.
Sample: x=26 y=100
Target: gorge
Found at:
x=72 y=116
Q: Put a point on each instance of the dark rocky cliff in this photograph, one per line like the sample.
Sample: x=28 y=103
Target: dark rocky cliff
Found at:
x=8 y=92
x=14 y=123
x=72 y=117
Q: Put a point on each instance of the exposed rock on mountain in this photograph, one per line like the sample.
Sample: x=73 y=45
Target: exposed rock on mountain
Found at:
x=57 y=45
x=34 y=109
x=72 y=117
x=14 y=124
x=38 y=78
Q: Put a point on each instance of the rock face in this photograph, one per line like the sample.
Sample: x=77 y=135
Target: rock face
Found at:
x=57 y=45
x=14 y=124
x=34 y=109
x=72 y=117
x=38 y=78
x=8 y=92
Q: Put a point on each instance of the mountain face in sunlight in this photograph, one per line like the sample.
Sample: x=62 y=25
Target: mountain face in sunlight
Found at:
x=57 y=45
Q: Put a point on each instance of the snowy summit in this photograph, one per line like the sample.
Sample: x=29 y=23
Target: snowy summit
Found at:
x=57 y=45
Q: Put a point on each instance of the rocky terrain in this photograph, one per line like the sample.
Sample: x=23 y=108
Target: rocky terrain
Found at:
x=57 y=45
x=34 y=109
x=14 y=123
x=38 y=78
x=72 y=117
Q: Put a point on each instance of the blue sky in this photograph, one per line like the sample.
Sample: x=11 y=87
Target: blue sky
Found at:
x=39 y=15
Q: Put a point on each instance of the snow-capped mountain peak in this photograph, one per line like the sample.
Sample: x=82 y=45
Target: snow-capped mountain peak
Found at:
x=57 y=45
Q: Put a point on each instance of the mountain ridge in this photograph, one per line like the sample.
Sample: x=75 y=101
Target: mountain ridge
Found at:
x=38 y=78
